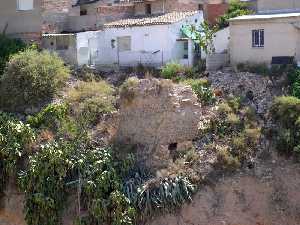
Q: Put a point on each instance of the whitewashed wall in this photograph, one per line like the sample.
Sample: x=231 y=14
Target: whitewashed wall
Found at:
x=155 y=44
x=221 y=40
x=87 y=47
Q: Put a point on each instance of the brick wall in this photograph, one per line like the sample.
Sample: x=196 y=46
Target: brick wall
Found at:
x=213 y=11
x=55 y=14
x=115 y=10
x=172 y=5
x=57 y=5
x=104 y=14
x=168 y=6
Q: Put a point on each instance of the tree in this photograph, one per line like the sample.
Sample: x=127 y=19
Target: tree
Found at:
x=202 y=35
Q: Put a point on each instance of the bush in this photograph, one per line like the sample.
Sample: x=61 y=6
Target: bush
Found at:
x=226 y=160
x=236 y=8
x=201 y=89
x=90 y=100
x=55 y=170
x=15 y=138
x=285 y=112
x=30 y=79
x=8 y=47
x=258 y=68
x=296 y=88
x=172 y=70
x=49 y=117
x=126 y=89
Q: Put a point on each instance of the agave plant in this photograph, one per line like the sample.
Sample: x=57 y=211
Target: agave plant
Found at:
x=159 y=195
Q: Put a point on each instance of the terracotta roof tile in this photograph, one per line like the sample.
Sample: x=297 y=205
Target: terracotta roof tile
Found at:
x=161 y=19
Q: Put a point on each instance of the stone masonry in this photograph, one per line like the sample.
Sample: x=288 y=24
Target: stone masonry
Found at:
x=158 y=116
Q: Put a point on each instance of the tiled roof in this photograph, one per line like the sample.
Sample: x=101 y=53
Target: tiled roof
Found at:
x=161 y=19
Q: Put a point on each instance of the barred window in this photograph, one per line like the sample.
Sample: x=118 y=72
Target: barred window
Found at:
x=258 y=38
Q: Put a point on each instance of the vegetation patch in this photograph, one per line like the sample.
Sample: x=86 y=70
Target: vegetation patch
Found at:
x=31 y=78
x=89 y=100
x=15 y=140
x=285 y=113
x=8 y=47
x=237 y=133
x=236 y=8
x=201 y=89
x=126 y=90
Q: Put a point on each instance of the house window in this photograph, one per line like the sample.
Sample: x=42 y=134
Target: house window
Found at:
x=124 y=43
x=83 y=12
x=148 y=9
x=186 y=45
x=62 y=43
x=258 y=38
x=24 y=5
x=200 y=7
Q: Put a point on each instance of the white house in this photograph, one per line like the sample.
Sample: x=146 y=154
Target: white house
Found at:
x=152 y=40
x=149 y=40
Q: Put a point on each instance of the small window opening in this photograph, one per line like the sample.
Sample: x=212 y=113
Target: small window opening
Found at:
x=172 y=146
x=148 y=9
x=83 y=12
x=200 y=7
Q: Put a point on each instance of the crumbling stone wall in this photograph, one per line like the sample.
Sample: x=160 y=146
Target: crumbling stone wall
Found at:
x=158 y=116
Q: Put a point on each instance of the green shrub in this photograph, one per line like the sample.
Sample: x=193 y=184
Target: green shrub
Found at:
x=8 y=47
x=49 y=117
x=30 y=79
x=296 y=88
x=258 y=68
x=294 y=80
x=236 y=8
x=90 y=100
x=126 y=89
x=172 y=70
x=293 y=75
x=244 y=143
x=226 y=160
x=56 y=169
x=201 y=89
x=234 y=103
x=189 y=72
x=15 y=138
x=285 y=112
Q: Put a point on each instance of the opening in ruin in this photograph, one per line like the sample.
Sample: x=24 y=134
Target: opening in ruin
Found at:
x=172 y=146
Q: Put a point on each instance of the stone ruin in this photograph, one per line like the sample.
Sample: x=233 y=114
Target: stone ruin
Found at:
x=159 y=117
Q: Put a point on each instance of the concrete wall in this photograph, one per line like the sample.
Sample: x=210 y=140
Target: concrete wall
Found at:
x=100 y=15
x=269 y=5
x=47 y=16
x=20 y=21
x=221 y=41
x=68 y=55
x=281 y=39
